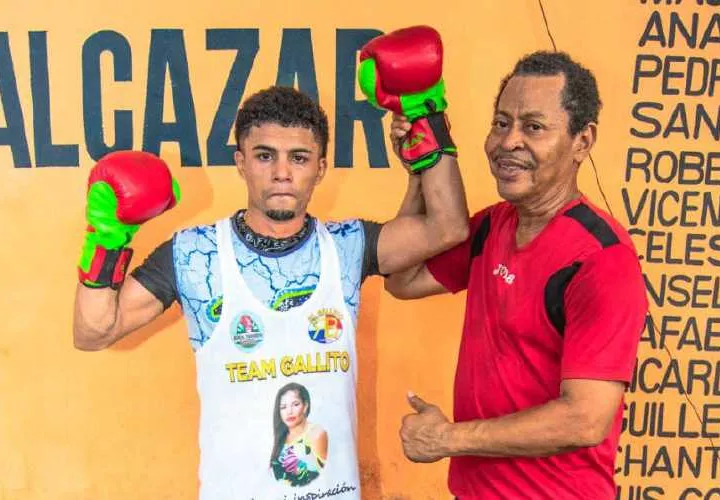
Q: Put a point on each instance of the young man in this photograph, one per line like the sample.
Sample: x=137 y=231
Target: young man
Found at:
x=555 y=307
x=270 y=294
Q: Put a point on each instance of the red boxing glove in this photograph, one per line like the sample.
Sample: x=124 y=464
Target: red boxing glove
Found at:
x=141 y=181
x=125 y=189
x=402 y=72
x=407 y=61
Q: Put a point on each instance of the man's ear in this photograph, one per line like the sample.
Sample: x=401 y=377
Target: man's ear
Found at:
x=322 y=170
x=584 y=142
x=240 y=163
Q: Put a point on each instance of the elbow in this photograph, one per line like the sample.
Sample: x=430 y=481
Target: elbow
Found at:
x=395 y=289
x=589 y=430
x=462 y=233
x=592 y=436
x=454 y=234
x=90 y=341
x=90 y=345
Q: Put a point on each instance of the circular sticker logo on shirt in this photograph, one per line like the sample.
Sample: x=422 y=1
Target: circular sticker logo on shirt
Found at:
x=326 y=326
x=247 y=331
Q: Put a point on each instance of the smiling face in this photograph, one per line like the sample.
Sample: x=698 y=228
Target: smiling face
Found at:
x=531 y=152
x=293 y=410
x=281 y=166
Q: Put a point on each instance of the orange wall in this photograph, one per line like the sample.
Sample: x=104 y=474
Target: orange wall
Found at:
x=122 y=423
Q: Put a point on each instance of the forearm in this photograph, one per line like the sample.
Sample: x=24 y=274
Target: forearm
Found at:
x=553 y=428
x=445 y=203
x=96 y=317
x=103 y=316
x=435 y=235
x=413 y=203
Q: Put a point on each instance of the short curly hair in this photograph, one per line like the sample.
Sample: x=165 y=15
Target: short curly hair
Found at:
x=580 y=97
x=284 y=106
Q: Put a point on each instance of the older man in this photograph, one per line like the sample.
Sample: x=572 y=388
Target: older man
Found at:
x=555 y=307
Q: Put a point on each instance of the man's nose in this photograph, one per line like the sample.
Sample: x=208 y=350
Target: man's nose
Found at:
x=282 y=170
x=513 y=138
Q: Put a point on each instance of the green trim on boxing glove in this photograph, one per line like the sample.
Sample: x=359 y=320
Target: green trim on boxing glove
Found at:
x=413 y=106
x=421 y=104
x=105 y=230
x=176 y=190
x=367 y=79
x=102 y=207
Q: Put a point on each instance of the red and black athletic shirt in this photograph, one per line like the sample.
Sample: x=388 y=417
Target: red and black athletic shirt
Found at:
x=570 y=304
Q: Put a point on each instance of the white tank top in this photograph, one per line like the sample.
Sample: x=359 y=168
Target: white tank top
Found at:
x=253 y=353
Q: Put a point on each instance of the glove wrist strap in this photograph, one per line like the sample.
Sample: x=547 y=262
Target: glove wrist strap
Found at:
x=428 y=140
x=107 y=268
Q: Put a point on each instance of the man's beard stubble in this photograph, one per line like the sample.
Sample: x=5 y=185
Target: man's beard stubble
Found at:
x=280 y=215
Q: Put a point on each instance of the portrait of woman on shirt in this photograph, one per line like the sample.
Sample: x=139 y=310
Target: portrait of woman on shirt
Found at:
x=300 y=448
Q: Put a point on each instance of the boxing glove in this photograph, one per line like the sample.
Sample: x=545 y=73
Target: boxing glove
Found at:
x=125 y=189
x=402 y=72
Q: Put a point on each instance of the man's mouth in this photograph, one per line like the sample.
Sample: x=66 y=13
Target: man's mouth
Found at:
x=510 y=167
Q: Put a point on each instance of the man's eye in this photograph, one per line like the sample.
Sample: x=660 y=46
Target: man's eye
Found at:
x=264 y=156
x=499 y=123
x=299 y=159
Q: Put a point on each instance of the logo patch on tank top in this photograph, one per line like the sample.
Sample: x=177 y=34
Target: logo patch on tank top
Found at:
x=326 y=326
x=214 y=309
x=286 y=299
x=247 y=331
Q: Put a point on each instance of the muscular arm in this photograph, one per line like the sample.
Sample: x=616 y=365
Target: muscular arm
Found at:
x=413 y=236
x=416 y=281
x=104 y=316
x=432 y=218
